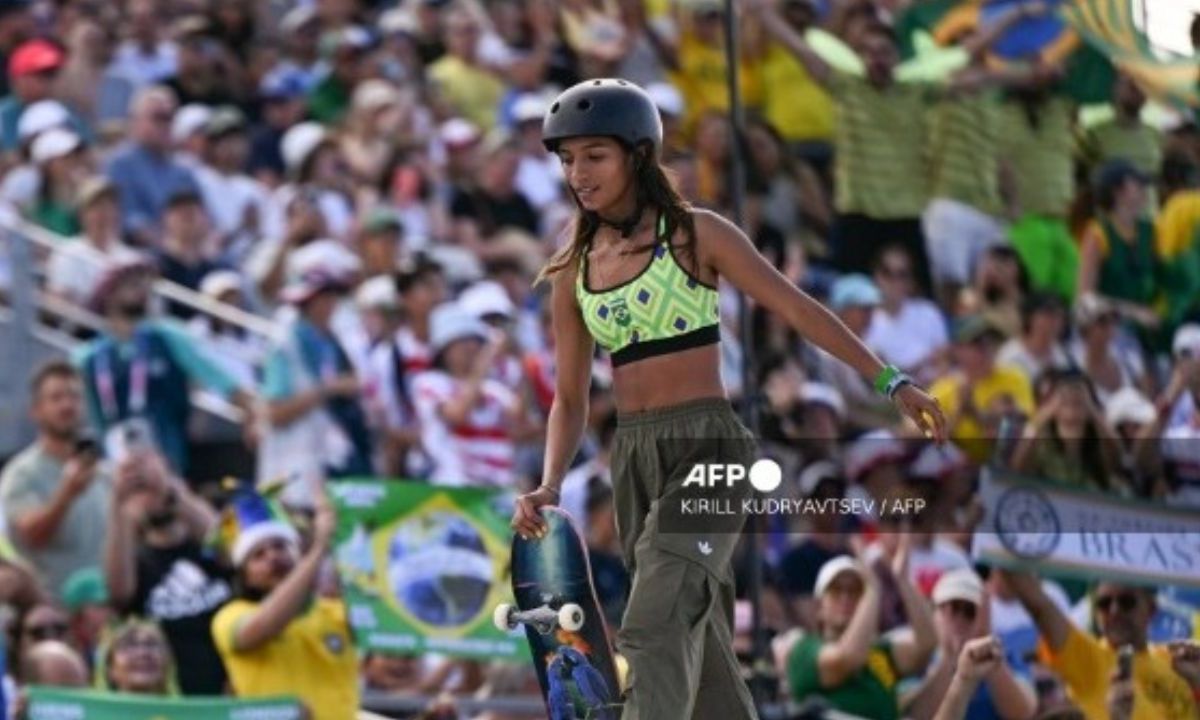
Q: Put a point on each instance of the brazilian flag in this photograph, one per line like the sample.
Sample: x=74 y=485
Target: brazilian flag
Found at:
x=1089 y=38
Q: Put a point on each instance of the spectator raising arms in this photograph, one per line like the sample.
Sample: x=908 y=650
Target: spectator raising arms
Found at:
x=1087 y=664
x=278 y=637
x=963 y=621
x=845 y=661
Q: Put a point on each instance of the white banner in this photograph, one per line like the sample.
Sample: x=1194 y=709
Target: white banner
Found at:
x=1065 y=531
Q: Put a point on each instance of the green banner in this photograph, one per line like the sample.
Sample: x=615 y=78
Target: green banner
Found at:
x=56 y=704
x=423 y=567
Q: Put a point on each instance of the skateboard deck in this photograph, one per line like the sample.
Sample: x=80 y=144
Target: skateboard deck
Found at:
x=557 y=605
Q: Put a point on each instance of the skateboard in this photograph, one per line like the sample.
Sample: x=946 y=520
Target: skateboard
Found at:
x=556 y=603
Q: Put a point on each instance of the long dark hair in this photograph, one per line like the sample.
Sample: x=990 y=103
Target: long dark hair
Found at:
x=655 y=189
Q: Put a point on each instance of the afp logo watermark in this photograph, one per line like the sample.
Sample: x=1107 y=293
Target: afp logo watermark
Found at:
x=765 y=475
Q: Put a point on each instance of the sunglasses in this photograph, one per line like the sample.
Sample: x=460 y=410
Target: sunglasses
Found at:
x=961 y=607
x=1126 y=602
x=48 y=631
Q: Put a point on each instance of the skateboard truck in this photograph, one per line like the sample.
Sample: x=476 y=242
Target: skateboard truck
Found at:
x=544 y=619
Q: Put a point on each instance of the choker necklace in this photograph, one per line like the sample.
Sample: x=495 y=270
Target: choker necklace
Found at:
x=629 y=224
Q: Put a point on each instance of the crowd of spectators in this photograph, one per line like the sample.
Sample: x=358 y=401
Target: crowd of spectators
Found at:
x=367 y=177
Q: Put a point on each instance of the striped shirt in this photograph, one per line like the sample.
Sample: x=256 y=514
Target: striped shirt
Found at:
x=476 y=453
x=1040 y=156
x=1140 y=145
x=962 y=151
x=879 y=137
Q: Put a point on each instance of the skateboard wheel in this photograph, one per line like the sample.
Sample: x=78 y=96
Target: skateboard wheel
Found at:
x=502 y=617
x=570 y=617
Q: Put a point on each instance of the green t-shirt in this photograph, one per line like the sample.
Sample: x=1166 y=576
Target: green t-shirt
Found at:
x=328 y=101
x=29 y=482
x=879 y=136
x=963 y=160
x=1039 y=146
x=869 y=693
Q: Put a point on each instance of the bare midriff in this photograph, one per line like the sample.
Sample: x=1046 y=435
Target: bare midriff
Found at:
x=666 y=380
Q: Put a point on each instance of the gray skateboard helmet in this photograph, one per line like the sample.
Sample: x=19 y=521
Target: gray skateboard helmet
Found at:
x=610 y=107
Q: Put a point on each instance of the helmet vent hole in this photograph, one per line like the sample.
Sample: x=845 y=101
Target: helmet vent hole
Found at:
x=597 y=83
x=585 y=105
x=622 y=83
x=554 y=108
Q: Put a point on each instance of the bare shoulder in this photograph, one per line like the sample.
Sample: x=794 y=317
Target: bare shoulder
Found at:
x=712 y=225
x=718 y=241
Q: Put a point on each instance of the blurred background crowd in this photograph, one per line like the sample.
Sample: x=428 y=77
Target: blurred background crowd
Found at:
x=281 y=239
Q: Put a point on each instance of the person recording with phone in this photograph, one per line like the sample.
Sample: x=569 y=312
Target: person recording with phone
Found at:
x=157 y=567
x=1120 y=669
x=55 y=492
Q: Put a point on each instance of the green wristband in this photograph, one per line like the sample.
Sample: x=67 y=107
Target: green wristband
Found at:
x=885 y=377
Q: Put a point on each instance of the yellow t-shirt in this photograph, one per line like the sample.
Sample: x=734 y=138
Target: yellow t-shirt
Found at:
x=313 y=659
x=701 y=79
x=793 y=102
x=471 y=91
x=1004 y=381
x=1086 y=663
x=1178 y=223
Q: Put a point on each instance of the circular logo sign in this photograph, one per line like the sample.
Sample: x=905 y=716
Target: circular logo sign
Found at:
x=1027 y=524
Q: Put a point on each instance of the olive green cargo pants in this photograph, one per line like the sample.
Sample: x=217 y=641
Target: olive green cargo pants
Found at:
x=677 y=630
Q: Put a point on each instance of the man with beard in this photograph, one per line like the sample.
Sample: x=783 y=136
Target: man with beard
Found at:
x=1164 y=680
x=54 y=493
x=279 y=637
x=138 y=372
x=157 y=567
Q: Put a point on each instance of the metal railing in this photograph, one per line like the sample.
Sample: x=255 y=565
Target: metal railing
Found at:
x=22 y=236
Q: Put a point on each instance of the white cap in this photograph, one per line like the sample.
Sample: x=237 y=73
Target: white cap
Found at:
x=41 y=116
x=54 y=143
x=938 y=461
x=190 y=119
x=1129 y=405
x=374 y=94
x=1187 y=340
x=459 y=265
x=450 y=322
x=667 y=98
x=300 y=141
x=822 y=394
x=530 y=106
x=378 y=293
x=872 y=449
x=218 y=282
x=297 y=18
x=832 y=568
x=398 y=20
x=459 y=132
x=257 y=533
x=961 y=584
x=487 y=297
x=325 y=255
x=812 y=475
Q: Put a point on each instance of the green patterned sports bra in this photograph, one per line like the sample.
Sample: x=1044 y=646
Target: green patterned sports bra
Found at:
x=663 y=309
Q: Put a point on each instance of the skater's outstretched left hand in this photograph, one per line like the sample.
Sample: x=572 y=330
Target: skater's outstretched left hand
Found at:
x=918 y=406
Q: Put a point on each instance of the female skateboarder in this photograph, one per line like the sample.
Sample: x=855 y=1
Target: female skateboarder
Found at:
x=640 y=278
